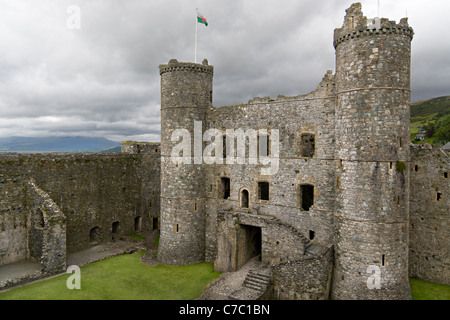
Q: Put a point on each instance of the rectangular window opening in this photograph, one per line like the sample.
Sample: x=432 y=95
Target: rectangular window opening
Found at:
x=446 y=175
x=382 y=260
x=263 y=190
x=312 y=235
x=225 y=188
x=307 y=197
x=439 y=196
x=308 y=145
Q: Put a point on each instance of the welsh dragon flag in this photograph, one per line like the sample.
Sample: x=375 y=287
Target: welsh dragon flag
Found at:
x=201 y=19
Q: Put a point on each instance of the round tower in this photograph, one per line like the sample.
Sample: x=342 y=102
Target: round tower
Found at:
x=186 y=96
x=373 y=59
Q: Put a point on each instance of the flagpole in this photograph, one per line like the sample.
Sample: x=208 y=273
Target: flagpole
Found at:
x=196 y=33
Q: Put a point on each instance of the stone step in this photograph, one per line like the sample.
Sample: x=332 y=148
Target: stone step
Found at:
x=264 y=277
x=256 y=281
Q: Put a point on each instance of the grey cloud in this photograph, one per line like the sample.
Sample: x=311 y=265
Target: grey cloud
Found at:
x=103 y=79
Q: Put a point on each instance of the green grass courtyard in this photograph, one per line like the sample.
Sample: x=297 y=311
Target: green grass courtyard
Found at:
x=126 y=277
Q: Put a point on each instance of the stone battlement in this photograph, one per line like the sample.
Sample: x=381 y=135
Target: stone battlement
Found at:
x=175 y=66
x=356 y=25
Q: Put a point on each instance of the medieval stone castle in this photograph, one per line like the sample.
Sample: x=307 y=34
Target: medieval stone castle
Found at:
x=353 y=211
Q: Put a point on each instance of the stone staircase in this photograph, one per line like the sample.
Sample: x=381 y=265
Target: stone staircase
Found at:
x=254 y=286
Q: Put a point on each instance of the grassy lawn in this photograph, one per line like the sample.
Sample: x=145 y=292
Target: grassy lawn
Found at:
x=123 y=277
x=422 y=290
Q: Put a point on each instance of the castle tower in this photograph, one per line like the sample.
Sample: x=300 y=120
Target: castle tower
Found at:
x=186 y=95
x=373 y=58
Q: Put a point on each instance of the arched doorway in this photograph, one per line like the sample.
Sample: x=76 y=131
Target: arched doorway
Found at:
x=244 y=199
x=95 y=236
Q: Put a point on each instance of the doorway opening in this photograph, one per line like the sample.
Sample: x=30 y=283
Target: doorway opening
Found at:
x=115 y=230
x=95 y=236
x=250 y=245
x=137 y=224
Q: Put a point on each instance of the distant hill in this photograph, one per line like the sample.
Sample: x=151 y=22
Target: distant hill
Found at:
x=432 y=116
x=56 y=144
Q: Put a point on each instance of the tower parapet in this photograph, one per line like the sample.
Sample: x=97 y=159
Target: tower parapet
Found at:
x=357 y=25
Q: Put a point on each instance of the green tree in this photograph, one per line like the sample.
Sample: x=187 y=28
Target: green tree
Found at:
x=443 y=129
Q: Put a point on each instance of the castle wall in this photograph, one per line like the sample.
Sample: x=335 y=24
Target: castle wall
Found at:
x=429 y=229
x=311 y=114
x=13 y=222
x=93 y=190
x=308 y=278
x=47 y=230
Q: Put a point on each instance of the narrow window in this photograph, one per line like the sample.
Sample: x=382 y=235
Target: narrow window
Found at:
x=225 y=188
x=40 y=221
x=195 y=206
x=382 y=260
x=263 y=190
x=390 y=165
x=155 y=223
x=400 y=142
x=137 y=224
x=312 y=235
x=308 y=146
x=177 y=228
x=307 y=196
x=416 y=168
x=446 y=175
x=149 y=204
x=439 y=196
x=244 y=198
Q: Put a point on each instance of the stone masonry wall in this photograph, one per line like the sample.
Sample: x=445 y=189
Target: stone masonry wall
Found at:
x=429 y=229
x=311 y=114
x=49 y=223
x=93 y=190
x=308 y=278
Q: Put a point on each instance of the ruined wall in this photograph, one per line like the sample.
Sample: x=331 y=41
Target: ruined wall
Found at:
x=308 y=278
x=429 y=229
x=149 y=175
x=311 y=114
x=46 y=231
x=278 y=242
x=93 y=190
x=13 y=223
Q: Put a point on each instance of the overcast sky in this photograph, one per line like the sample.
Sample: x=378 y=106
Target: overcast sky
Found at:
x=102 y=79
